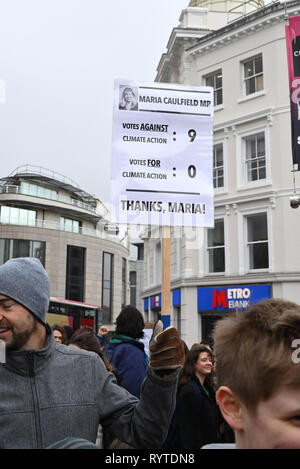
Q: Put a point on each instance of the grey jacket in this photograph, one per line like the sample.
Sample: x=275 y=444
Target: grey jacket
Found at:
x=59 y=391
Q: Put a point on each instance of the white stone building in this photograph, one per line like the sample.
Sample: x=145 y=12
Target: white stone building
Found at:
x=253 y=251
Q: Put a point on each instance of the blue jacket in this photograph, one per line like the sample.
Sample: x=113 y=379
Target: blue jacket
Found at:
x=128 y=357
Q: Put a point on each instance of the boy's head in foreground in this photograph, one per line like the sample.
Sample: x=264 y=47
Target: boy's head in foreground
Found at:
x=258 y=370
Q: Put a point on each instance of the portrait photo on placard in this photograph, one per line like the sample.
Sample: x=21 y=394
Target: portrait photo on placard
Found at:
x=128 y=100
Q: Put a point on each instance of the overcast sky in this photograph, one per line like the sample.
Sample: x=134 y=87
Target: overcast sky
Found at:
x=58 y=60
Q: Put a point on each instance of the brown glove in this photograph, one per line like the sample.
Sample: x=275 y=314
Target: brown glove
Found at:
x=166 y=348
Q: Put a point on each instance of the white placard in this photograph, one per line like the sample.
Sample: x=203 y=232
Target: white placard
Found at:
x=162 y=154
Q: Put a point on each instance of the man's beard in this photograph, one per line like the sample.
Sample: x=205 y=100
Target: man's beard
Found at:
x=19 y=339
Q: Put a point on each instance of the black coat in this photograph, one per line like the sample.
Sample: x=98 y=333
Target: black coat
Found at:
x=197 y=425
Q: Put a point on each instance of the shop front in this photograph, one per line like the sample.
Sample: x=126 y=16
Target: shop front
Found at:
x=216 y=302
x=152 y=308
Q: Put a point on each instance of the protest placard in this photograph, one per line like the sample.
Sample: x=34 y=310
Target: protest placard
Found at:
x=162 y=154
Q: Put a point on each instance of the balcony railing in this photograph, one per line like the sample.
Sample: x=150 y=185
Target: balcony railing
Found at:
x=49 y=225
x=59 y=198
x=39 y=170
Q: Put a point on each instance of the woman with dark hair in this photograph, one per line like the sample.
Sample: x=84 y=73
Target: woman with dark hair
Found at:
x=198 y=415
x=59 y=333
x=126 y=352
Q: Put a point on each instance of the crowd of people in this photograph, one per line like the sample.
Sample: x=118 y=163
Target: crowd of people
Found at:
x=63 y=388
x=247 y=405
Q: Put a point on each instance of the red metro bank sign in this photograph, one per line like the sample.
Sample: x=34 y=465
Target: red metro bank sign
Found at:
x=233 y=297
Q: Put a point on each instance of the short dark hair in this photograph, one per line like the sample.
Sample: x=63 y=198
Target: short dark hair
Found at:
x=130 y=322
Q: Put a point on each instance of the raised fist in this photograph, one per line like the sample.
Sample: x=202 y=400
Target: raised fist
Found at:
x=166 y=348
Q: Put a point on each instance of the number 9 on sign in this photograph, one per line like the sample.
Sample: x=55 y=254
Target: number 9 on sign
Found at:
x=192 y=134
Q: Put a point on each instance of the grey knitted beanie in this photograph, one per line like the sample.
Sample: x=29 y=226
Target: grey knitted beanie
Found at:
x=25 y=280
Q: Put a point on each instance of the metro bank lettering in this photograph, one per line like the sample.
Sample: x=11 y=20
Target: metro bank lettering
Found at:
x=231 y=298
x=240 y=297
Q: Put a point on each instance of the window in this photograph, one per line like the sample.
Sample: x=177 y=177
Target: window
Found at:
x=67 y=224
x=218 y=166
x=257 y=241
x=10 y=248
x=17 y=216
x=255 y=157
x=216 y=81
x=253 y=75
x=38 y=250
x=107 y=274
x=75 y=273
x=132 y=277
x=216 y=247
x=140 y=255
x=124 y=283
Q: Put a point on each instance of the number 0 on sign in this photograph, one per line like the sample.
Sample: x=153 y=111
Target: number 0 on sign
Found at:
x=162 y=154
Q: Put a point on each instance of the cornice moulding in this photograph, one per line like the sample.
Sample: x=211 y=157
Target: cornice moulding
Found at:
x=230 y=37
x=206 y=281
x=268 y=114
x=269 y=196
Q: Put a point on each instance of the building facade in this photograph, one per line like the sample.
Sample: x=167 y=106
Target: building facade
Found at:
x=252 y=252
x=45 y=215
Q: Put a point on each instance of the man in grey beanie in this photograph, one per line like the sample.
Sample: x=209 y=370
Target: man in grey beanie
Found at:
x=49 y=391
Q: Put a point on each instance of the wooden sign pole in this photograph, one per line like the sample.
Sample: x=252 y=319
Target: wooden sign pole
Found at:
x=166 y=277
